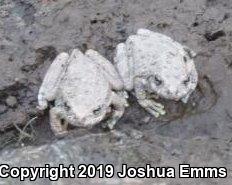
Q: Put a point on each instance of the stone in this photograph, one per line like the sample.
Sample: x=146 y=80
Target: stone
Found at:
x=11 y=101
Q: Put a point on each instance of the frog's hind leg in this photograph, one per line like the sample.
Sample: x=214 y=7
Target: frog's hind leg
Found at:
x=51 y=80
x=58 y=125
x=123 y=62
x=119 y=103
x=108 y=69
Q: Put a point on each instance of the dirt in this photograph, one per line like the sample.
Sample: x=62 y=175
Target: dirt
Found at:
x=33 y=32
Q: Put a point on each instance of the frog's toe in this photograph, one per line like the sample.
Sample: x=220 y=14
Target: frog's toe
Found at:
x=152 y=112
x=154 y=108
x=111 y=123
x=157 y=110
x=116 y=115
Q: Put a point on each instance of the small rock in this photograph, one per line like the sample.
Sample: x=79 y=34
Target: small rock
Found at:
x=136 y=134
x=11 y=101
x=146 y=119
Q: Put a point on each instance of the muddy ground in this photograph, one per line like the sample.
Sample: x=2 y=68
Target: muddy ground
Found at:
x=33 y=32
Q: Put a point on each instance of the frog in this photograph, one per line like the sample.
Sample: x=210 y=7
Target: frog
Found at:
x=154 y=66
x=82 y=89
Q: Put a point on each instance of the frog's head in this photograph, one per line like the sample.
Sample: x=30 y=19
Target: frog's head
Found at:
x=90 y=117
x=175 y=77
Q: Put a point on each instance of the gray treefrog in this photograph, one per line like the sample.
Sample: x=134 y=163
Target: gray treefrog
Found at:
x=153 y=65
x=85 y=89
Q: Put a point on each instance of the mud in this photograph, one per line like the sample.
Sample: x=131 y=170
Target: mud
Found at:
x=32 y=32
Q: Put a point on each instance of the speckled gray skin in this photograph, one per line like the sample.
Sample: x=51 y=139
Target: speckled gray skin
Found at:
x=84 y=88
x=34 y=33
x=152 y=64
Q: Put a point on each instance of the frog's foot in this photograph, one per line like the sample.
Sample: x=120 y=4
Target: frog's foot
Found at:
x=154 y=108
x=119 y=103
x=186 y=98
x=58 y=126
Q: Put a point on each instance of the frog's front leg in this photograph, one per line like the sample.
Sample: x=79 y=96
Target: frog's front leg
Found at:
x=58 y=125
x=119 y=103
x=154 y=108
x=47 y=91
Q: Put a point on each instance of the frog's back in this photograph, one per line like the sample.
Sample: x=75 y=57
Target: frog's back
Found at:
x=84 y=85
x=152 y=51
x=155 y=43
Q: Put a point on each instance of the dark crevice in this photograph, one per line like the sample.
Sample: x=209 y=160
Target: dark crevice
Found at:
x=215 y=35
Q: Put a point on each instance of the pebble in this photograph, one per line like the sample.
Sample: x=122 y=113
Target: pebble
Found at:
x=146 y=119
x=136 y=134
x=11 y=101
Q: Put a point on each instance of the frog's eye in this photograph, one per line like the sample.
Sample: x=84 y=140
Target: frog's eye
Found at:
x=186 y=81
x=185 y=59
x=66 y=106
x=155 y=80
x=97 y=111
